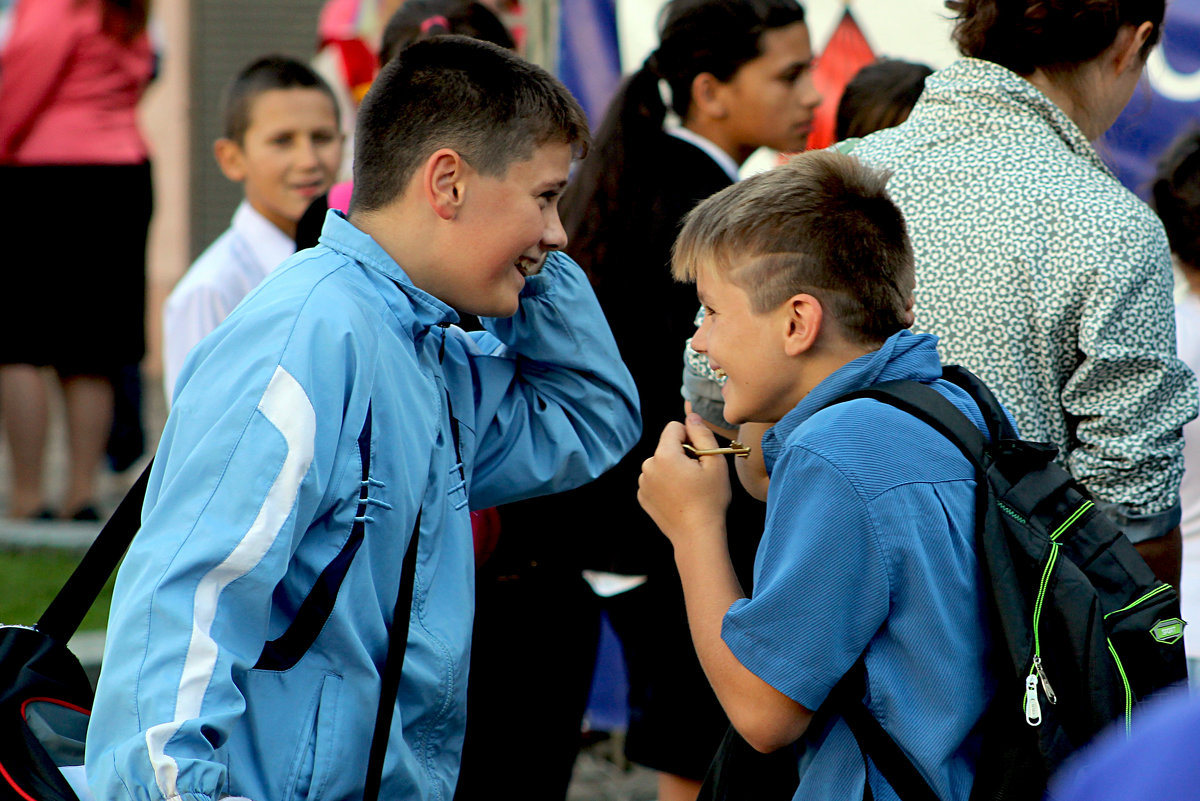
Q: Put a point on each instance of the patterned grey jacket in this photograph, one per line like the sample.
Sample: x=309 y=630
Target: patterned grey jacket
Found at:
x=1046 y=277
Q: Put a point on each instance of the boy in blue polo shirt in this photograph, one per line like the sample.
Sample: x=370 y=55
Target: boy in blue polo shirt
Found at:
x=868 y=551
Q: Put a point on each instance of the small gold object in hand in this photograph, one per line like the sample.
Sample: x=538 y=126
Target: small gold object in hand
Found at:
x=735 y=447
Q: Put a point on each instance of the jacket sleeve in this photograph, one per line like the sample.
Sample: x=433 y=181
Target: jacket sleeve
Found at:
x=240 y=472
x=34 y=60
x=1130 y=392
x=547 y=400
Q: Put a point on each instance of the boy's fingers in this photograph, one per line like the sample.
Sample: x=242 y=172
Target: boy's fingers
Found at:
x=673 y=436
x=699 y=434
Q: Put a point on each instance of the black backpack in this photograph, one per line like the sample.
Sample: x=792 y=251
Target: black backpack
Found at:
x=45 y=694
x=1082 y=630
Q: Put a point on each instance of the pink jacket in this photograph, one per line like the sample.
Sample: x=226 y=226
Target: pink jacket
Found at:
x=68 y=91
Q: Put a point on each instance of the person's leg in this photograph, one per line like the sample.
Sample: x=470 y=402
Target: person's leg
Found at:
x=23 y=400
x=89 y=404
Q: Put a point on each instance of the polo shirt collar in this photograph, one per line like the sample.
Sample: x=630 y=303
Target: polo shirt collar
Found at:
x=904 y=355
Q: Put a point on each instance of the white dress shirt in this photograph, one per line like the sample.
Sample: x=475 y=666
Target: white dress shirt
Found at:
x=224 y=273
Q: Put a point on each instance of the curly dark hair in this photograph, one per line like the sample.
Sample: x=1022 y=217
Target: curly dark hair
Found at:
x=1025 y=35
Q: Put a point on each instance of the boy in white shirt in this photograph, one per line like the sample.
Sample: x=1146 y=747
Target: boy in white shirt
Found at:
x=283 y=142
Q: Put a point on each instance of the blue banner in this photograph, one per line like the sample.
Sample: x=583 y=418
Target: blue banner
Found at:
x=589 y=59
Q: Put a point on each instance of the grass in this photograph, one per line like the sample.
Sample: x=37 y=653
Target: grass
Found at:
x=31 y=577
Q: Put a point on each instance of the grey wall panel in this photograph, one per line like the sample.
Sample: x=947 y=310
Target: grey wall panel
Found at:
x=226 y=35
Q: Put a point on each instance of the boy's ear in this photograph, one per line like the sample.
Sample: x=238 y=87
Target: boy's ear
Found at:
x=803 y=320
x=444 y=182
x=707 y=97
x=231 y=159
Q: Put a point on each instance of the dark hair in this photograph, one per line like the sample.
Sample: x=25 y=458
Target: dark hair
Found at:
x=421 y=19
x=880 y=95
x=1056 y=35
x=695 y=36
x=263 y=75
x=124 y=20
x=483 y=101
x=822 y=224
x=1175 y=195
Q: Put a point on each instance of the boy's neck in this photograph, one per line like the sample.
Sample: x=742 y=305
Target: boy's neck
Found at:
x=391 y=229
x=831 y=355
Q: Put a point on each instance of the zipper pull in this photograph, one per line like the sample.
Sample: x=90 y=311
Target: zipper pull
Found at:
x=1037 y=665
x=1033 y=709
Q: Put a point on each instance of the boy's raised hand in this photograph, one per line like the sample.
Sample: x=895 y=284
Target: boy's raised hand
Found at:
x=686 y=497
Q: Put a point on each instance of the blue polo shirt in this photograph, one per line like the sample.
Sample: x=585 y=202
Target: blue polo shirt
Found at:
x=870 y=547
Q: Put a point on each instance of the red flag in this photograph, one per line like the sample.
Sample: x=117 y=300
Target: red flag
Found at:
x=845 y=54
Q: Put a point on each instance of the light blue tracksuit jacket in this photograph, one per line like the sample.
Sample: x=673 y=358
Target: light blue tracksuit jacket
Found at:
x=324 y=400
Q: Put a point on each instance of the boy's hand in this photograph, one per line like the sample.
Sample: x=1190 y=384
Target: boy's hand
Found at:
x=685 y=497
x=727 y=433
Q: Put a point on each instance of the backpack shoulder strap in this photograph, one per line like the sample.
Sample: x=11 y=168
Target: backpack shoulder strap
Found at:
x=929 y=406
x=997 y=420
x=932 y=408
x=874 y=741
x=66 y=612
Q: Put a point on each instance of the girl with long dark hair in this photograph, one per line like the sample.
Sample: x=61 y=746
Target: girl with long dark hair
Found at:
x=728 y=77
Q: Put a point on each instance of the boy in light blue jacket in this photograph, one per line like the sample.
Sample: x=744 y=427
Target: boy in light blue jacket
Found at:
x=333 y=410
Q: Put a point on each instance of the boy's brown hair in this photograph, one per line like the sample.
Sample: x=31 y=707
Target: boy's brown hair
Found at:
x=264 y=75
x=822 y=225
x=489 y=105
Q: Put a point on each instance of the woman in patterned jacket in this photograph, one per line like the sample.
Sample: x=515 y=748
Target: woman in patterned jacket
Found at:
x=1035 y=267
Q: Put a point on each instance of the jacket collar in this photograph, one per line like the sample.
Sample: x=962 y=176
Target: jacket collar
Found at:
x=904 y=355
x=340 y=236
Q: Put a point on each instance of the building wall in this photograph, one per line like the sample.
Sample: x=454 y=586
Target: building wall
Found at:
x=224 y=36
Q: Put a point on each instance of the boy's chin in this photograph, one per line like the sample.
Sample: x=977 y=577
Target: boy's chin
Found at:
x=497 y=307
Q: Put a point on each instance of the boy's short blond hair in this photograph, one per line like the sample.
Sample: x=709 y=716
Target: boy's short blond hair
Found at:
x=822 y=225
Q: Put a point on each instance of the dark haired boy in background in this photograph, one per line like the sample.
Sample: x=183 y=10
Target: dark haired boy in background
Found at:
x=282 y=142
x=334 y=410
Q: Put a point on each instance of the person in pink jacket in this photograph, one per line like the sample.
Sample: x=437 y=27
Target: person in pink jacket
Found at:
x=76 y=207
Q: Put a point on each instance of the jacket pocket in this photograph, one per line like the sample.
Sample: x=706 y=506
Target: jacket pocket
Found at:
x=320 y=754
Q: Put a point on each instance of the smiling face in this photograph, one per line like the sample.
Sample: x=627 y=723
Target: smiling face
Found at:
x=289 y=154
x=770 y=101
x=507 y=225
x=748 y=347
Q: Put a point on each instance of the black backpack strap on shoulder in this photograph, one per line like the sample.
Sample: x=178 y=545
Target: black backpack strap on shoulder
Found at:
x=998 y=424
x=929 y=406
x=390 y=681
x=66 y=612
x=875 y=742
